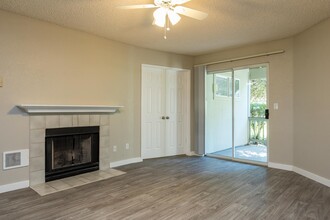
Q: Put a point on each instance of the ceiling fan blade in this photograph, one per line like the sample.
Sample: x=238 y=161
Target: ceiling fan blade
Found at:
x=179 y=2
x=174 y=17
x=190 y=12
x=137 y=6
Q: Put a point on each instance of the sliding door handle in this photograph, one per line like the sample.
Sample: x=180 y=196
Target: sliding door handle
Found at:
x=266 y=113
x=163 y=117
x=167 y=117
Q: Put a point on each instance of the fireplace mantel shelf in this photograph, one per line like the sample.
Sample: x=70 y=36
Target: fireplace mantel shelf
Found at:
x=51 y=109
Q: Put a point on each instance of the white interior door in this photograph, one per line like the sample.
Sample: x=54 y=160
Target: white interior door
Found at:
x=153 y=111
x=165 y=112
x=174 y=113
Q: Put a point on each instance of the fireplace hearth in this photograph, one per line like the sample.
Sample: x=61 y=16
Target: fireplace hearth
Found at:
x=71 y=151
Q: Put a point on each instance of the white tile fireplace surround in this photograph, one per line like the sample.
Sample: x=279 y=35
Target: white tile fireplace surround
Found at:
x=38 y=126
x=43 y=117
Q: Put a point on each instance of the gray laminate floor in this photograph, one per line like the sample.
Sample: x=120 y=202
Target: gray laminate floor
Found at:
x=179 y=188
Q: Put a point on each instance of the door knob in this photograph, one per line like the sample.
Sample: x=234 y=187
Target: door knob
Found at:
x=167 y=117
x=163 y=117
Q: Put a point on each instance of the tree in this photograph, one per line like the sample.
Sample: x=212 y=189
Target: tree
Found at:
x=258 y=94
x=257 y=110
x=258 y=91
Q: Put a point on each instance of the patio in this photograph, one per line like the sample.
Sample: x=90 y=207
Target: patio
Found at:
x=247 y=152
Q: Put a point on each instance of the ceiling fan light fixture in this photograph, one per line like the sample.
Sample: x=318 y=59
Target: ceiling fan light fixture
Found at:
x=169 y=12
x=160 y=17
x=179 y=9
x=174 y=17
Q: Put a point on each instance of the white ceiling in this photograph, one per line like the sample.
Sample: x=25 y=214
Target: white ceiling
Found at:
x=231 y=23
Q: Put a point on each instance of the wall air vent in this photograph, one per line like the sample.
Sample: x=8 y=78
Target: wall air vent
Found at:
x=15 y=159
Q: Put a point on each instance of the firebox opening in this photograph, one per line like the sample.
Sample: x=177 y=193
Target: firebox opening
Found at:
x=71 y=151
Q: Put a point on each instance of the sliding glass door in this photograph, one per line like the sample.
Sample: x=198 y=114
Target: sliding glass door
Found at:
x=219 y=114
x=235 y=114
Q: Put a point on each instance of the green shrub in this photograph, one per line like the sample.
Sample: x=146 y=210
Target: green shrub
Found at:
x=257 y=109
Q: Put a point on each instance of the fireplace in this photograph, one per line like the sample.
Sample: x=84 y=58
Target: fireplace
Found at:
x=71 y=151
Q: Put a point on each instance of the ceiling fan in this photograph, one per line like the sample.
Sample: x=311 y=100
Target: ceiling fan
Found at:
x=169 y=11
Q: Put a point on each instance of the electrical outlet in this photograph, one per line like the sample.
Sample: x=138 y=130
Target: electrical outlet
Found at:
x=114 y=148
x=127 y=146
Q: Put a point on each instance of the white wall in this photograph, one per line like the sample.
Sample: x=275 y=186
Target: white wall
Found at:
x=218 y=119
x=241 y=109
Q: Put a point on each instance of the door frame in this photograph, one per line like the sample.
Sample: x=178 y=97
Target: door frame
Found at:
x=186 y=135
x=233 y=116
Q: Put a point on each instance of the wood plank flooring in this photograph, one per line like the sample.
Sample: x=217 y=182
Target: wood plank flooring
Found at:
x=179 y=188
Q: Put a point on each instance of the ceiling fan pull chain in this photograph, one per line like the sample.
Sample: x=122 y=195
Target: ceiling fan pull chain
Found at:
x=165 y=32
x=167 y=23
x=166 y=28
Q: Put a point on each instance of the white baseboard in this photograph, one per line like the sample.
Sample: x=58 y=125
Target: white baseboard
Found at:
x=125 y=162
x=192 y=153
x=302 y=172
x=280 y=166
x=14 y=186
x=180 y=151
x=312 y=176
